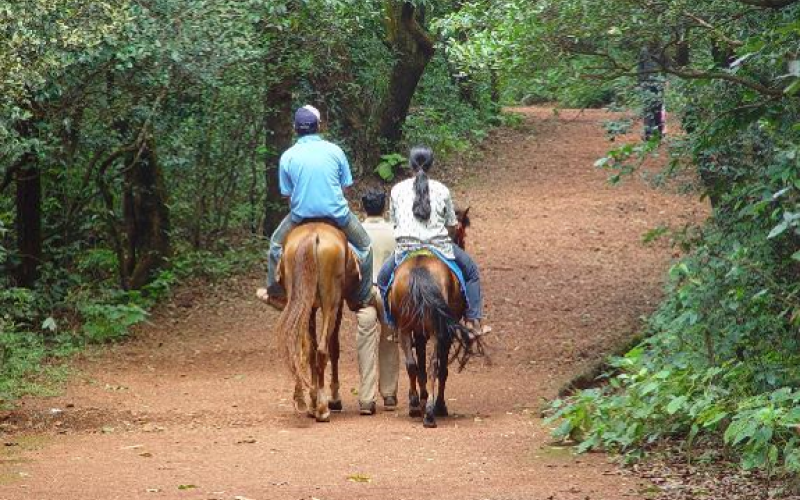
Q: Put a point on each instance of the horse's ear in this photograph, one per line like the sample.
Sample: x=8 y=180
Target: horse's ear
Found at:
x=463 y=217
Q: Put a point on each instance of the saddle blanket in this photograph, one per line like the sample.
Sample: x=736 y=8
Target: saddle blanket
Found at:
x=451 y=264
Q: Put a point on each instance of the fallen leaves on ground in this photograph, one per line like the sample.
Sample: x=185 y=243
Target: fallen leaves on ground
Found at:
x=359 y=478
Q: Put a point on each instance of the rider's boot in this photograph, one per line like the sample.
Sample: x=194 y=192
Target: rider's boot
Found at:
x=274 y=295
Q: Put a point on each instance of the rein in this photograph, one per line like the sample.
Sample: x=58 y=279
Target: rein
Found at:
x=467 y=348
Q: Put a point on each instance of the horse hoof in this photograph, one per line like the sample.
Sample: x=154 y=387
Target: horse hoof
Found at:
x=300 y=406
x=335 y=406
x=415 y=412
x=440 y=410
x=429 y=423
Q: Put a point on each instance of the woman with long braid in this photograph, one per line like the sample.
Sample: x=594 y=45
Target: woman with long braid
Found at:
x=422 y=212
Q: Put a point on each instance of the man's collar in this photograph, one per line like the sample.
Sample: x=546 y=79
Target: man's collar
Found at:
x=309 y=138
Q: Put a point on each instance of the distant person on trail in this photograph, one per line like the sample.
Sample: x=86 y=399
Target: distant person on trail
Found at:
x=652 y=88
x=370 y=341
x=422 y=212
x=313 y=175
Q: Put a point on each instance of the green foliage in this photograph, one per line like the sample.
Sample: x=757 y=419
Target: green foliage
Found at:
x=386 y=168
x=25 y=366
x=37 y=327
x=213 y=266
x=442 y=119
x=722 y=358
x=103 y=322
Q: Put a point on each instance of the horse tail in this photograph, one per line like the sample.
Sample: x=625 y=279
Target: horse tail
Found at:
x=294 y=323
x=425 y=301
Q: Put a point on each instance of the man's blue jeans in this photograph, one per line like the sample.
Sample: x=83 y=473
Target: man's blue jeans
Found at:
x=357 y=237
x=471 y=276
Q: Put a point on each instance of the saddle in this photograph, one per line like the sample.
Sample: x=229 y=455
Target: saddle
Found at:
x=320 y=220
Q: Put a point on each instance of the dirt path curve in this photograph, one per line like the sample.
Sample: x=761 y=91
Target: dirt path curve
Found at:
x=197 y=406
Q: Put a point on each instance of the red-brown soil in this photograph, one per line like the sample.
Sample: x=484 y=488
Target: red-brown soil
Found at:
x=198 y=404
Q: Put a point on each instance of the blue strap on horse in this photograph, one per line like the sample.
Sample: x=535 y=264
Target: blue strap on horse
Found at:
x=451 y=263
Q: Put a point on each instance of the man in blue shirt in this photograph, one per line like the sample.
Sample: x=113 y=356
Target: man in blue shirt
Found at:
x=313 y=174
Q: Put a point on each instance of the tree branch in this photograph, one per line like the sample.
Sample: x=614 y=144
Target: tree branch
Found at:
x=705 y=24
x=717 y=75
x=768 y=4
x=618 y=70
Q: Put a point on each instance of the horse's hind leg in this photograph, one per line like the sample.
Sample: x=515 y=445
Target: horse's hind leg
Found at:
x=312 y=365
x=422 y=376
x=322 y=412
x=335 y=403
x=429 y=420
x=440 y=406
x=414 y=407
x=299 y=397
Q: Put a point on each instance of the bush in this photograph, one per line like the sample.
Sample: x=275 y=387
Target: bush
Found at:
x=722 y=359
x=441 y=119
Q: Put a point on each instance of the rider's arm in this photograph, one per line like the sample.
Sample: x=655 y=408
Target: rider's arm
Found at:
x=392 y=213
x=345 y=177
x=284 y=179
x=450 y=219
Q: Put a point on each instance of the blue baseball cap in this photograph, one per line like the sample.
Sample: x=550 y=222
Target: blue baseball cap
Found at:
x=306 y=120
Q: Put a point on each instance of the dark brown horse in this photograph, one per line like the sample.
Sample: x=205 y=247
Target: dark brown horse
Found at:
x=427 y=304
x=318 y=270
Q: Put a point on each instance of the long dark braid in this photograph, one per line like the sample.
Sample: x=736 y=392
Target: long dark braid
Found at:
x=421 y=159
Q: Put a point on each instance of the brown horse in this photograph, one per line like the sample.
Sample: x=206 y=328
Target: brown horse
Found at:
x=318 y=270
x=427 y=304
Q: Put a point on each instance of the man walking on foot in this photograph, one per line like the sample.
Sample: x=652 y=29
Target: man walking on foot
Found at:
x=371 y=339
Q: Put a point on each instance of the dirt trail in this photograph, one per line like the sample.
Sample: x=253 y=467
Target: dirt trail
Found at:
x=198 y=406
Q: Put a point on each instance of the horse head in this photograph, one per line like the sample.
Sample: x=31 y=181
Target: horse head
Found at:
x=460 y=237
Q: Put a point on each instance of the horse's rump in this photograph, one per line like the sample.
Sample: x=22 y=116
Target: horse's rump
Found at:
x=425 y=292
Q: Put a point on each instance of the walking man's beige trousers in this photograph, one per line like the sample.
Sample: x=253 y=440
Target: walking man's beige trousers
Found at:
x=378 y=355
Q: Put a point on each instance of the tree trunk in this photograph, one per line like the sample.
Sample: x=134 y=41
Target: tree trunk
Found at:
x=28 y=221
x=682 y=54
x=146 y=216
x=277 y=139
x=413 y=50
